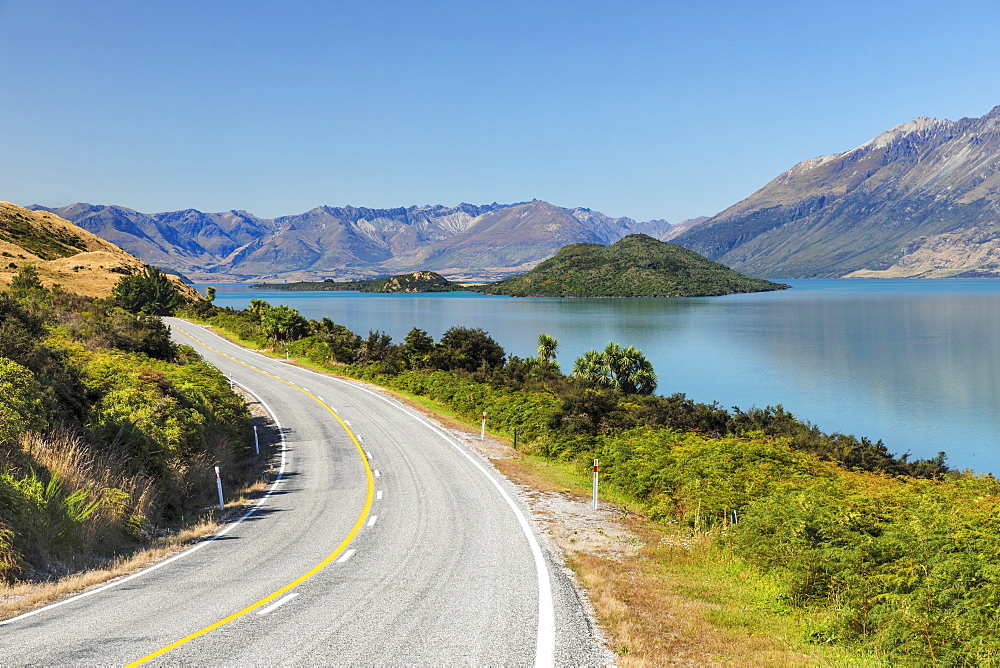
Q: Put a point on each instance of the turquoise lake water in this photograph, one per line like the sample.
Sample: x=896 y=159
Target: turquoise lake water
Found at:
x=911 y=362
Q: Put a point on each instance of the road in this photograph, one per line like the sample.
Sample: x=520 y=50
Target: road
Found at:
x=382 y=541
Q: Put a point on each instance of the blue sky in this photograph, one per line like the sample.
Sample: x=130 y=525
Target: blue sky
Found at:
x=642 y=109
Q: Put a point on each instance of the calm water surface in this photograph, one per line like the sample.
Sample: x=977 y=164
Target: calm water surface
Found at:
x=911 y=362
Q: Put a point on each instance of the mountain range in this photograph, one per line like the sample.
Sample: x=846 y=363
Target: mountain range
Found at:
x=467 y=241
x=920 y=200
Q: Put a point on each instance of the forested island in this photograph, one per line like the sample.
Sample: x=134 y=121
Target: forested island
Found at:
x=418 y=281
x=636 y=266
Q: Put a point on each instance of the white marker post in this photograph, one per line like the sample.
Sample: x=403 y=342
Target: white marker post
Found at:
x=597 y=469
x=256 y=441
x=218 y=482
x=482 y=429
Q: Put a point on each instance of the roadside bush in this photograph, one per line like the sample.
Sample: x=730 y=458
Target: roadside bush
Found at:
x=467 y=349
x=21 y=407
x=149 y=292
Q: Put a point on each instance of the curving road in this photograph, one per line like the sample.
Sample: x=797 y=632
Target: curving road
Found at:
x=383 y=541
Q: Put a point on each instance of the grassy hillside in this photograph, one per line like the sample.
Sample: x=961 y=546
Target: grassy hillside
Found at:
x=63 y=253
x=636 y=266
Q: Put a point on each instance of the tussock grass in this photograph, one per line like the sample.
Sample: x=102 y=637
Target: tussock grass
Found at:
x=24 y=596
x=120 y=498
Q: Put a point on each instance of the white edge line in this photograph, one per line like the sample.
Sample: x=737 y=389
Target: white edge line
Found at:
x=277 y=604
x=217 y=535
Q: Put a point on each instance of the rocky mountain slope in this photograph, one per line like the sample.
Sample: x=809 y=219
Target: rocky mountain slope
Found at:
x=62 y=252
x=922 y=199
x=466 y=241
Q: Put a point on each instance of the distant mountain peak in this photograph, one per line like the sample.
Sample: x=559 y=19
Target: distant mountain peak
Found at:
x=920 y=199
x=923 y=124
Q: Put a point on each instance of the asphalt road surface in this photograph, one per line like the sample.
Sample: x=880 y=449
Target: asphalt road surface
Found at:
x=382 y=541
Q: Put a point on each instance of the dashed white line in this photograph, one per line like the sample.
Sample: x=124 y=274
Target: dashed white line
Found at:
x=377 y=474
x=348 y=423
x=347 y=555
x=274 y=606
x=361 y=439
x=368 y=454
x=372 y=520
x=378 y=494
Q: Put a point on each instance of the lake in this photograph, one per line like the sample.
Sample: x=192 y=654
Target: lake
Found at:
x=911 y=362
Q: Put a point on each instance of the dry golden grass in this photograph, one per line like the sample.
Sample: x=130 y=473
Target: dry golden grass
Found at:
x=24 y=596
x=21 y=597
x=93 y=272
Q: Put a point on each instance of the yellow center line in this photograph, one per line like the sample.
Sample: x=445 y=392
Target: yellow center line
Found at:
x=318 y=567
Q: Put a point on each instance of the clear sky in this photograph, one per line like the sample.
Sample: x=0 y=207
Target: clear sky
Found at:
x=668 y=109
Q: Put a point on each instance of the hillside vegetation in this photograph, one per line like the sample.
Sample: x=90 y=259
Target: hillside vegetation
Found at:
x=885 y=554
x=109 y=432
x=636 y=266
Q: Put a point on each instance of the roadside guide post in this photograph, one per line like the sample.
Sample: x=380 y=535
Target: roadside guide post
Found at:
x=597 y=469
x=482 y=428
x=218 y=483
x=256 y=441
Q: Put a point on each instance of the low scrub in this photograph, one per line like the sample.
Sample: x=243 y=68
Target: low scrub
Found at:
x=109 y=433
